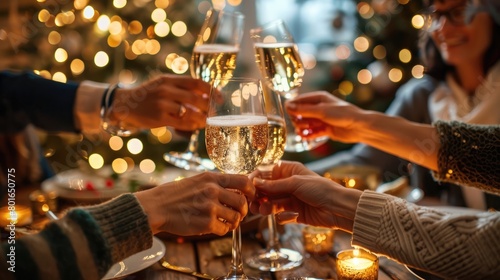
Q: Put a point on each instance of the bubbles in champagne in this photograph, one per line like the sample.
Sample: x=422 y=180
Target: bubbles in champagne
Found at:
x=280 y=65
x=212 y=61
x=236 y=144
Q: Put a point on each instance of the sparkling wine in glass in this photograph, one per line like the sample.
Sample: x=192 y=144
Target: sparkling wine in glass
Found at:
x=236 y=137
x=213 y=57
x=278 y=59
x=274 y=257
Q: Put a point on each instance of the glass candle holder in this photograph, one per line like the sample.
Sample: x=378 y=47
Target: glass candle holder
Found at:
x=357 y=263
x=318 y=240
x=15 y=215
x=41 y=202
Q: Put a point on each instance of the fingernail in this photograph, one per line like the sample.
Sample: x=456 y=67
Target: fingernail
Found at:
x=258 y=181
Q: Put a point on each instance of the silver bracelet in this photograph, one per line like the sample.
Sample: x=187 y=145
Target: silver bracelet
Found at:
x=116 y=128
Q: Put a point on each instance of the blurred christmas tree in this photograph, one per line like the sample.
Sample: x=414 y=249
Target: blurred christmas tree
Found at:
x=128 y=41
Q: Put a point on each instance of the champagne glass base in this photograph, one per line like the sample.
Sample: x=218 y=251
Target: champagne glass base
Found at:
x=283 y=259
x=295 y=143
x=189 y=161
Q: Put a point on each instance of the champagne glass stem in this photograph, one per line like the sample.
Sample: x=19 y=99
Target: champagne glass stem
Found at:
x=236 y=261
x=273 y=242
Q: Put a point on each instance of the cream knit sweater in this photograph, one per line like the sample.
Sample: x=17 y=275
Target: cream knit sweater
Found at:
x=455 y=246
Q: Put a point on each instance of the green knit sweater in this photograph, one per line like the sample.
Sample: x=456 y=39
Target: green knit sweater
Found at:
x=83 y=244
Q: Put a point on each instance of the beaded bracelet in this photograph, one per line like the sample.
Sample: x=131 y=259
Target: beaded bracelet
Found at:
x=119 y=128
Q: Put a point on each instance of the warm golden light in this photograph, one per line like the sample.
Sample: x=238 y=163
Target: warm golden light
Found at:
x=147 y=166
x=168 y=60
x=101 y=59
x=103 y=23
x=119 y=3
x=365 y=10
x=43 y=15
x=135 y=27
x=115 y=27
x=115 y=143
x=80 y=4
x=59 y=77
x=417 y=71
x=179 y=28
x=162 y=4
x=60 y=55
x=234 y=3
x=361 y=44
x=119 y=165
x=134 y=146
x=162 y=29
x=114 y=40
x=395 y=75
x=96 y=161
x=405 y=55
x=88 y=12
x=364 y=76
x=158 y=15
x=54 y=38
x=152 y=47
x=417 y=21
x=346 y=87
x=180 y=65
x=77 y=66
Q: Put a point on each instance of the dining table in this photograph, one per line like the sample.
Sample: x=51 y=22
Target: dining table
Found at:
x=209 y=256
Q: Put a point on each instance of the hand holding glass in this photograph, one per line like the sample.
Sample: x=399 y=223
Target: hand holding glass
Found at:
x=213 y=57
x=274 y=258
x=236 y=137
x=281 y=68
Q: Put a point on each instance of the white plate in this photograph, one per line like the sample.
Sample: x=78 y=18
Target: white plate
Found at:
x=137 y=262
x=72 y=184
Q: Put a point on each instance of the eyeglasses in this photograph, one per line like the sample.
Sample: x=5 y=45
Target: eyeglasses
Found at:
x=457 y=16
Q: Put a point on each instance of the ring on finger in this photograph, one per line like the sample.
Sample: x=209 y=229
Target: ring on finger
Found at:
x=182 y=111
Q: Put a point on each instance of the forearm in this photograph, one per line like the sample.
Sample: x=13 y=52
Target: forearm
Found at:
x=83 y=244
x=418 y=143
x=428 y=238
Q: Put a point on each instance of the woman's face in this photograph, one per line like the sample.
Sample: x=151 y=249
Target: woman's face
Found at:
x=462 y=44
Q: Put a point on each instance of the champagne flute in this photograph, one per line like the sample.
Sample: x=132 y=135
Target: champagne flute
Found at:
x=274 y=258
x=278 y=60
x=236 y=138
x=213 y=57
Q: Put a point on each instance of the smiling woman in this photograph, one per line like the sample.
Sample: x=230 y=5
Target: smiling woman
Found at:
x=460 y=51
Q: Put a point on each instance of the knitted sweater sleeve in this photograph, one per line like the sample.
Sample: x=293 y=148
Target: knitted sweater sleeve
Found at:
x=462 y=246
x=469 y=155
x=83 y=244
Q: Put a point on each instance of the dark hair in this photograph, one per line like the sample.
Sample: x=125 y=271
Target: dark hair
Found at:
x=433 y=62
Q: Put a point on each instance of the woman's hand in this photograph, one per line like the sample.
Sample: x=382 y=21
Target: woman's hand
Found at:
x=317 y=114
x=167 y=100
x=202 y=204
x=300 y=195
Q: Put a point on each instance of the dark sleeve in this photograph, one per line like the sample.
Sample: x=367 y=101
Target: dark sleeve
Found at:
x=28 y=98
x=469 y=155
x=411 y=103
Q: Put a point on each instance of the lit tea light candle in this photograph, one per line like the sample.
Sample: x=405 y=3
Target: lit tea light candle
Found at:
x=17 y=215
x=356 y=264
x=41 y=202
x=318 y=240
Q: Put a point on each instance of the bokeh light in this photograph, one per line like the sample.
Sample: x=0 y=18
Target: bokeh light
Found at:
x=96 y=161
x=134 y=146
x=115 y=143
x=119 y=165
x=364 y=76
x=147 y=166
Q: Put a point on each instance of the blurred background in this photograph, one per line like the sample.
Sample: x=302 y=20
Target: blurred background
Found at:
x=359 y=50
